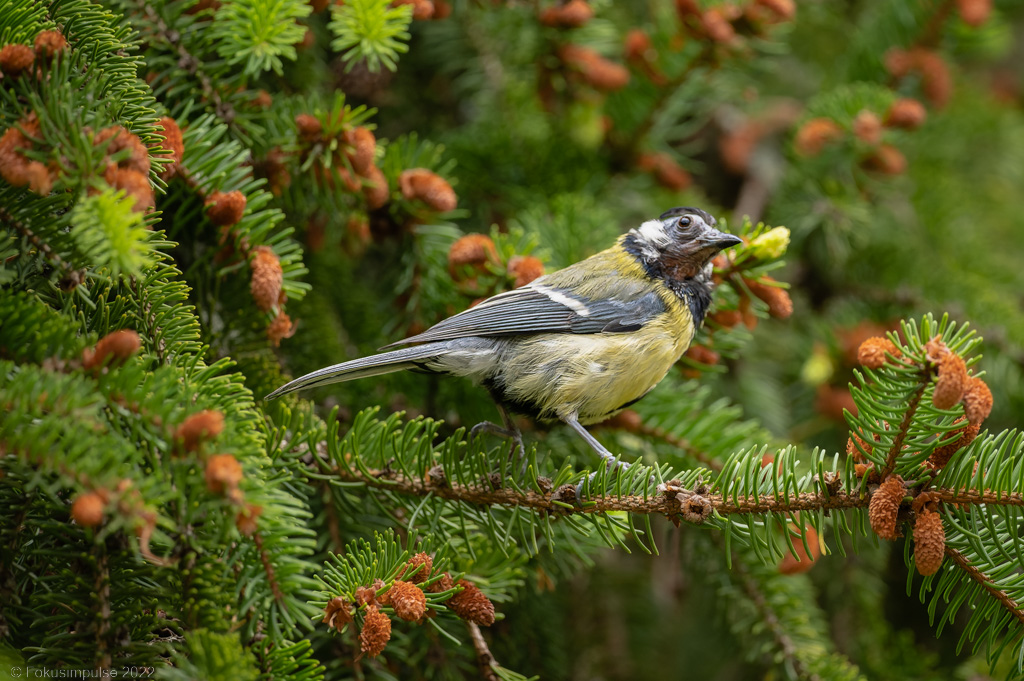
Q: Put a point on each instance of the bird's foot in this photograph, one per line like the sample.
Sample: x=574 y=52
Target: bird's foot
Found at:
x=518 y=451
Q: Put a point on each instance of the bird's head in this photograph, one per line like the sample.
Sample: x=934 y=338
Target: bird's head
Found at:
x=680 y=243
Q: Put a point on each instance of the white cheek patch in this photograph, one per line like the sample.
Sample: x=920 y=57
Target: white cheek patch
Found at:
x=562 y=299
x=653 y=232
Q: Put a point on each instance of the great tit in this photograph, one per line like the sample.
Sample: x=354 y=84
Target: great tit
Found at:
x=578 y=345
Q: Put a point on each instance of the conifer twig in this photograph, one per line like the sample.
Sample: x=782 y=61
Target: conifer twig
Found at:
x=986 y=582
x=484 y=658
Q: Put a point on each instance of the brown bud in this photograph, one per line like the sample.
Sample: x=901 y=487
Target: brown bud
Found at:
x=885 y=505
x=867 y=127
x=247 y=519
x=524 y=269
x=199 y=427
x=376 y=632
x=666 y=171
x=223 y=473
x=112 y=350
x=472 y=605
x=309 y=127
x=694 y=508
x=473 y=251
x=951 y=382
x=282 y=327
x=428 y=187
x=376 y=188
x=727 y=318
x=49 y=44
x=627 y=420
x=14 y=59
x=225 y=208
x=929 y=542
x=906 y=113
x=87 y=509
x=872 y=352
x=974 y=12
x=267 y=277
x=936 y=81
x=444 y=584
x=779 y=303
x=368 y=594
x=173 y=142
x=572 y=14
x=717 y=26
x=363 y=146
x=703 y=355
x=602 y=74
x=638 y=45
x=977 y=400
x=337 y=613
x=784 y=10
x=418 y=568
x=853 y=450
x=421 y=9
x=116 y=139
x=134 y=184
x=887 y=159
x=813 y=135
x=940 y=456
x=801 y=561
x=408 y=601
x=17 y=169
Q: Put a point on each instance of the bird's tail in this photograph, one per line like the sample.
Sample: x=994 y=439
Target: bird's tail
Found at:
x=374 y=365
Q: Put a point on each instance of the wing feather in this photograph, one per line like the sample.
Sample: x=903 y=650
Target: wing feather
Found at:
x=541 y=308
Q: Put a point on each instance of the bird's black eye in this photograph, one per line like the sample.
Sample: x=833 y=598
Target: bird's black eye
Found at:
x=684 y=222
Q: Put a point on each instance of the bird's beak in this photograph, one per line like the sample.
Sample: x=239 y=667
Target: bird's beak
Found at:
x=720 y=240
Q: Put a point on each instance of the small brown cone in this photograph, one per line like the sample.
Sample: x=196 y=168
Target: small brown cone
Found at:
x=225 y=208
x=472 y=605
x=418 y=568
x=524 y=269
x=444 y=584
x=906 y=113
x=337 y=613
x=599 y=72
x=428 y=187
x=871 y=352
x=702 y=354
x=173 y=142
x=87 y=509
x=116 y=139
x=885 y=505
x=940 y=456
x=952 y=380
x=363 y=145
x=977 y=400
x=49 y=44
x=801 y=561
x=867 y=127
x=199 y=427
x=974 y=12
x=282 y=327
x=572 y=14
x=247 y=520
x=408 y=601
x=112 y=350
x=887 y=160
x=15 y=59
x=134 y=183
x=223 y=473
x=376 y=188
x=780 y=305
x=309 y=127
x=267 y=278
x=812 y=137
x=929 y=542
x=666 y=171
x=376 y=632
x=471 y=251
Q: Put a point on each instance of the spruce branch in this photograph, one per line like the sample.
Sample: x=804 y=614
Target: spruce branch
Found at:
x=484 y=658
x=987 y=583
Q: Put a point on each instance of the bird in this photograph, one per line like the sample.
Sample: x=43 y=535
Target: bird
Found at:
x=578 y=345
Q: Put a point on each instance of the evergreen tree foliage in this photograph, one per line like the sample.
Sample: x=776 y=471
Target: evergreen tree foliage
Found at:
x=200 y=199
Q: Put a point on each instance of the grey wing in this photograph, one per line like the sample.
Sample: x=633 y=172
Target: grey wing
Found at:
x=538 y=308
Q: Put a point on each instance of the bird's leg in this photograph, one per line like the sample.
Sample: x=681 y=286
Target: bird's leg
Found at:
x=610 y=460
x=509 y=431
